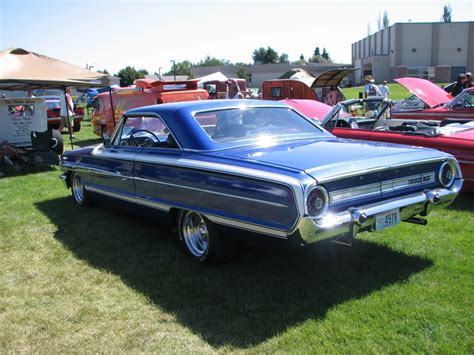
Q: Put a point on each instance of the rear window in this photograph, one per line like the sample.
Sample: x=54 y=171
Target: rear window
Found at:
x=237 y=124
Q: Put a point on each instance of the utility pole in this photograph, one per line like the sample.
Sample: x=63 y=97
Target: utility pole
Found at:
x=174 y=68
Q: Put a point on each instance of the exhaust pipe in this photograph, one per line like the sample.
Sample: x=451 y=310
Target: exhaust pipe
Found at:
x=417 y=220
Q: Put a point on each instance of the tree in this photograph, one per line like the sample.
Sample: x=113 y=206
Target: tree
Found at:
x=379 y=22
x=129 y=74
x=211 y=61
x=283 y=58
x=265 y=56
x=386 y=20
x=243 y=73
x=181 y=68
x=300 y=61
x=320 y=58
x=447 y=12
x=103 y=71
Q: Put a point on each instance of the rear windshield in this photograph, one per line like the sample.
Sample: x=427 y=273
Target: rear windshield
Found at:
x=229 y=125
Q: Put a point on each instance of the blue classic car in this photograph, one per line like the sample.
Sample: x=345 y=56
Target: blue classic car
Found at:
x=228 y=169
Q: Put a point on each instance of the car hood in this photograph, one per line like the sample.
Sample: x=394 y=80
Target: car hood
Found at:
x=329 y=158
x=428 y=92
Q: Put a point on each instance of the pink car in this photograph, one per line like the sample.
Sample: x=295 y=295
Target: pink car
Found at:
x=430 y=102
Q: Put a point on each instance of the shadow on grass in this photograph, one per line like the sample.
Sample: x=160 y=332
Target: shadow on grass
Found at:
x=23 y=169
x=85 y=143
x=464 y=202
x=243 y=303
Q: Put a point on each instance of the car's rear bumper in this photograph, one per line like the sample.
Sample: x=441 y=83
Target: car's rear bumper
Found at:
x=348 y=223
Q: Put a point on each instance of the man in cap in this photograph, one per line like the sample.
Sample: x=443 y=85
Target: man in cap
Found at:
x=370 y=89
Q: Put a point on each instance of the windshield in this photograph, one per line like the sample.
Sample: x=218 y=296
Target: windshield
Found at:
x=238 y=124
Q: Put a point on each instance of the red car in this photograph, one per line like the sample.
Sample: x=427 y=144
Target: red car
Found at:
x=430 y=102
x=370 y=119
x=53 y=105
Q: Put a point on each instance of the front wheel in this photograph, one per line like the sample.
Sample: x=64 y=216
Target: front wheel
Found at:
x=201 y=241
x=79 y=193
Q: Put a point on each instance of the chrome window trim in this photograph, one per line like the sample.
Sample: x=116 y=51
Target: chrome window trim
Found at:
x=239 y=107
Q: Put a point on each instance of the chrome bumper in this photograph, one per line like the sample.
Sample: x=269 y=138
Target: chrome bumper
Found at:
x=347 y=224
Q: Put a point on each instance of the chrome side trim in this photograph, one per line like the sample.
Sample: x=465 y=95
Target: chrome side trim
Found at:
x=217 y=219
x=280 y=179
x=466 y=162
x=95 y=171
x=213 y=192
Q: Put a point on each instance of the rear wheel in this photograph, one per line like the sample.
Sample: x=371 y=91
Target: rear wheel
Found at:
x=79 y=193
x=201 y=241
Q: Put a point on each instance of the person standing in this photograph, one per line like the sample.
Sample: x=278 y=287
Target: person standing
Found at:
x=370 y=89
x=468 y=83
x=66 y=104
x=233 y=90
x=384 y=89
x=459 y=86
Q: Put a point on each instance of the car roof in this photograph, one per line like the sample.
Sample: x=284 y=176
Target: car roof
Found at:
x=203 y=105
x=190 y=135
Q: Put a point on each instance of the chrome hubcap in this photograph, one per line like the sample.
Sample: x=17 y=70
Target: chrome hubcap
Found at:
x=195 y=234
x=78 y=188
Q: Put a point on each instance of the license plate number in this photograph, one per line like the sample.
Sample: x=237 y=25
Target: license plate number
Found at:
x=387 y=219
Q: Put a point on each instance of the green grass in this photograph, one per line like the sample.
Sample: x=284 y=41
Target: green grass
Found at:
x=100 y=280
x=398 y=92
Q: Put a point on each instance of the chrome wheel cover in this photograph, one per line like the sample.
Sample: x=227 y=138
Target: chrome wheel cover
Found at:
x=77 y=189
x=195 y=234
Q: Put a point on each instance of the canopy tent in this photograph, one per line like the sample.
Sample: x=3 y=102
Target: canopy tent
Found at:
x=299 y=74
x=24 y=70
x=217 y=76
x=329 y=78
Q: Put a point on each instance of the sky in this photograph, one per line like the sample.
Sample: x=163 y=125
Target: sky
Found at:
x=148 y=34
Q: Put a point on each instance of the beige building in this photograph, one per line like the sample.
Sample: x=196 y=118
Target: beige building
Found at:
x=436 y=51
x=260 y=72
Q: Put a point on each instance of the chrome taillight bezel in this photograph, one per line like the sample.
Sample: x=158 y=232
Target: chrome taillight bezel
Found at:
x=323 y=195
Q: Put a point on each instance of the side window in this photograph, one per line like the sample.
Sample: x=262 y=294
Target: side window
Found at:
x=276 y=92
x=144 y=131
x=468 y=100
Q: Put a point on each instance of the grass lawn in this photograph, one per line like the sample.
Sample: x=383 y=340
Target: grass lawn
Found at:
x=99 y=280
x=398 y=92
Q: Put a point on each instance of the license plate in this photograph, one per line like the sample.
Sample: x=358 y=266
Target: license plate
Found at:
x=387 y=219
